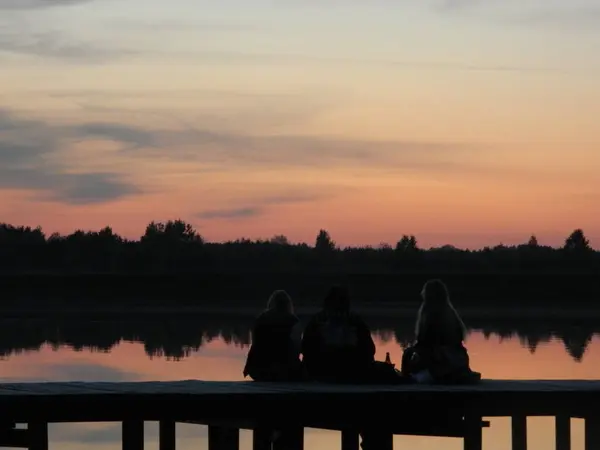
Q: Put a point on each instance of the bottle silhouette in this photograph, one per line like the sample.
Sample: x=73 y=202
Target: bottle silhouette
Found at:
x=387 y=358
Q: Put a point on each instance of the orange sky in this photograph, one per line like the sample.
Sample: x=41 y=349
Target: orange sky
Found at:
x=217 y=361
x=462 y=122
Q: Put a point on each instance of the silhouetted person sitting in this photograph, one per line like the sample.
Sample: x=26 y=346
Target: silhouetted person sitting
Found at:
x=438 y=354
x=337 y=344
x=275 y=351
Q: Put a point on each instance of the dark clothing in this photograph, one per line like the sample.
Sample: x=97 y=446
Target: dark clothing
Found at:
x=338 y=347
x=273 y=355
x=443 y=355
x=430 y=335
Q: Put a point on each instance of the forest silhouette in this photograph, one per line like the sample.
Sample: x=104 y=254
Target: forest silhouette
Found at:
x=172 y=260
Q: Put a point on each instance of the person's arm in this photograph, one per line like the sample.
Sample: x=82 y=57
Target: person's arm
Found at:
x=296 y=337
x=309 y=342
x=365 y=340
x=250 y=357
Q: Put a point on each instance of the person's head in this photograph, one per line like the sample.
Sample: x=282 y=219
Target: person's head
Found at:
x=337 y=300
x=436 y=308
x=281 y=302
x=435 y=296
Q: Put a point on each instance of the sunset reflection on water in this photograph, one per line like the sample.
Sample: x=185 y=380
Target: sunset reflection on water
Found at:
x=218 y=360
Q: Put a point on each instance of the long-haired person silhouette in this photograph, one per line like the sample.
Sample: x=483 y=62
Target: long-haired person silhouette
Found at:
x=275 y=351
x=437 y=318
x=438 y=353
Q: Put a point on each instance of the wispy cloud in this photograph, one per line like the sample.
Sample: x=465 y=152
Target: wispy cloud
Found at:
x=567 y=17
x=260 y=205
x=575 y=15
x=26 y=150
x=230 y=213
x=236 y=150
x=35 y=4
x=58 y=45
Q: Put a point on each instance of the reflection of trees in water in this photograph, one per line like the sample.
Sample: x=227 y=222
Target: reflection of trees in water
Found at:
x=179 y=337
x=575 y=335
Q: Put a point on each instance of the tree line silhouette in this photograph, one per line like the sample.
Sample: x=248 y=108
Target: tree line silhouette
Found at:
x=172 y=264
x=176 y=247
x=177 y=339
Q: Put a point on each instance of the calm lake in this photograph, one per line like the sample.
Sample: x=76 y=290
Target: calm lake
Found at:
x=215 y=349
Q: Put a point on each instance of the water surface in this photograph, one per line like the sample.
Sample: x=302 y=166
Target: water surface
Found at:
x=117 y=351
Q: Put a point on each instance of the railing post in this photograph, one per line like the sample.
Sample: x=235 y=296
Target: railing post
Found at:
x=563 y=432
x=473 y=439
x=223 y=438
x=291 y=438
x=350 y=440
x=519 y=432
x=592 y=433
x=38 y=435
x=133 y=435
x=373 y=438
x=387 y=441
x=166 y=435
x=261 y=439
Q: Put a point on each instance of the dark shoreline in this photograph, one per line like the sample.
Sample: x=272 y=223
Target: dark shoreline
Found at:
x=138 y=291
x=397 y=311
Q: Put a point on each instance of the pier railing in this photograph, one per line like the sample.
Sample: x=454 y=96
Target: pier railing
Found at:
x=278 y=413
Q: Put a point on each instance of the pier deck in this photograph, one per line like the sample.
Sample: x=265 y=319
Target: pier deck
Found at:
x=396 y=409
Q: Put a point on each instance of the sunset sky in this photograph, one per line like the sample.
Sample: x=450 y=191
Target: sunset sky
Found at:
x=467 y=122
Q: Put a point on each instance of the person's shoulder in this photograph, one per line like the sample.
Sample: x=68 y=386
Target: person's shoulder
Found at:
x=314 y=319
x=292 y=319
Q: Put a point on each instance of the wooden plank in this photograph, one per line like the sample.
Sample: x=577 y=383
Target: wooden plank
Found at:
x=563 y=432
x=199 y=387
x=133 y=435
x=166 y=435
x=350 y=439
x=519 y=432
x=222 y=438
x=155 y=401
x=38 y=435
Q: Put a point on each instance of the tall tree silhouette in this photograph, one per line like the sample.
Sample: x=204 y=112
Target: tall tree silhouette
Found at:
x=173 y=231
x=324 y=243
x=577 y=241
x=280 y=239
x=407 y=244
x=533 y=242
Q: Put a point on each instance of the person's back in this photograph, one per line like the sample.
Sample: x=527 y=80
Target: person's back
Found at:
x=274 y=353
x=337 y=344
x=438 y=352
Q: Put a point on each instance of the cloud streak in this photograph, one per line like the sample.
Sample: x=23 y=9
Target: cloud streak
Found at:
x=37 y=4
x=230 y=213
x=27 y=148
x=572 y=18
x=260 y=206
x=229 y=150
x=59 y=46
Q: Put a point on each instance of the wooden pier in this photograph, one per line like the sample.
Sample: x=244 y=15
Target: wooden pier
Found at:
x=227 y=407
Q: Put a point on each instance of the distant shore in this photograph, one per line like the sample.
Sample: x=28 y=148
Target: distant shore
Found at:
x=218 y=291
x=372 y=310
